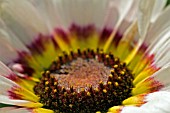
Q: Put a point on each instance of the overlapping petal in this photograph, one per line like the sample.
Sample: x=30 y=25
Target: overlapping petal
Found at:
x=24 y=110
x=14 y=94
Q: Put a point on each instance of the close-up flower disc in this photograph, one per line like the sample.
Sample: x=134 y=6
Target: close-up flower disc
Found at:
x=84 y=56
x=85 y=82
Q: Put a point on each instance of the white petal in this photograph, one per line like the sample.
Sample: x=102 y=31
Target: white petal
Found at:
x=6 y=72
x=14 y=110
x=23 y=19
x=166 y=88
x=159 y=39
x=130 y=17
x=133 y=109
x=123 y=8
x=84 y=12
x=158 y=102
x=47 y=8
x=9 y=44
x=81 y=12
x=144 y=16
x=163 y=76
x=159 y=28
x=9 y=37
x=162 y=54
x=13 y=94
x=63 y=13
x=112 y=16
x=6 y=53
x=158 y=7
x=127 y=109
x=118 y=11
x=24 y=110
x=5 y=86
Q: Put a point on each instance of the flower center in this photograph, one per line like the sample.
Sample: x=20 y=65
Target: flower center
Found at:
x=81 y=73
x=84 y=82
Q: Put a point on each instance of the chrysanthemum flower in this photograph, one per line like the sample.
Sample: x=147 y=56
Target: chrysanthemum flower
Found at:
x=84 y=56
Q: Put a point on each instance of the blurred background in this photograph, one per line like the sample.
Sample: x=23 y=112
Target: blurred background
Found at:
x=168 y=2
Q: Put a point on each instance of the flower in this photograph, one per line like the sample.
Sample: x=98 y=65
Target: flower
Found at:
x=84 y=56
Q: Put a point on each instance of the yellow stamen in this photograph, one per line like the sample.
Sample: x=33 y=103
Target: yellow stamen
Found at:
x=88 y=94
x=104 y=91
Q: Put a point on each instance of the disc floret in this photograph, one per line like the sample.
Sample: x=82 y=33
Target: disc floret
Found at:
x=64 y=87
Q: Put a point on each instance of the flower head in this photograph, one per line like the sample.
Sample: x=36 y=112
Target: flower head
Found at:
x=84 y=56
